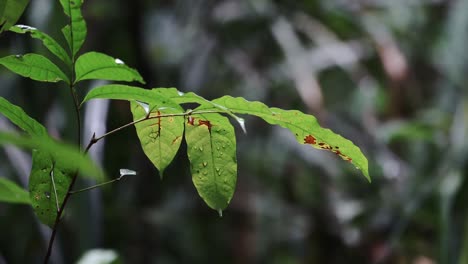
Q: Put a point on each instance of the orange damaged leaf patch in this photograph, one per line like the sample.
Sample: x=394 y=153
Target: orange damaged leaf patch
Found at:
x=311 y=140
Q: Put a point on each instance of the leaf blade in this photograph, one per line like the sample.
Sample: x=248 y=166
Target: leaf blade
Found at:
x=160 y=137
x=18 y=117
x=53 y=46
x=305 y=128
x=75 y=32
x=10 y=192
x=211 y=148
x=10 y=12
x=95 y=65
x=34 y=66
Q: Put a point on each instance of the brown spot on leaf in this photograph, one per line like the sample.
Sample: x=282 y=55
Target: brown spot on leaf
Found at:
x=309 y=139
x=205 y=123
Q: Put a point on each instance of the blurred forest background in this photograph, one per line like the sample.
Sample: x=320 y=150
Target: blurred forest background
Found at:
x=389 y=75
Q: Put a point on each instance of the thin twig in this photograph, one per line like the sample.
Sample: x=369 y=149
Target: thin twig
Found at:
x=97 y=185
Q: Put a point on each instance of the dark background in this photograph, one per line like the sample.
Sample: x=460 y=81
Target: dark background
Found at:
x=389 y=75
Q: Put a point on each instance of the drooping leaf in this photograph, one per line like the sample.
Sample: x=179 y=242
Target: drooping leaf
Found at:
x=18 y=117
x=95 y=65
x=69 y=156
x=48 y=184
x=34 y=66
x=305 y=128
x=10 y=192
x=10 y=12
x=160 y=137
x=211 y=149
x=75 y=32
x=48 y=41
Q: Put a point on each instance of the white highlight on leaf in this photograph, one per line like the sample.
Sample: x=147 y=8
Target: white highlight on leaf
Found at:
x=102 y=256
x=220 y=213
x=241 y=122
x=124 y=172
x=25 y=27
x=145 y=106
x=180 y=93
x=119 y=61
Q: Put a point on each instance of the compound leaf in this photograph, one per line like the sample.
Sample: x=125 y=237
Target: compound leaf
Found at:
x=53 y=46
x=75 y=32
x=160 y=137
x=10 y=192
x=211 y=149
x=95 y=65
x=34 y=66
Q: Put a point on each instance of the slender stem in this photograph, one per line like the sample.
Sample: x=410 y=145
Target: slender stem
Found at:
x=96 y=186
x=76 y=104
x=95 y=139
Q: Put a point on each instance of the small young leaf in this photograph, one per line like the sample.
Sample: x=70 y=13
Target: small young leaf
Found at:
x=18 y=117
x=10 y=12
x=305 y=128
x=48 y=184
x=12 y=193
x=48 y=41
x=160 y=138
x=211 y=149
x=34 y=66
x=95 y=65
x=75 y=32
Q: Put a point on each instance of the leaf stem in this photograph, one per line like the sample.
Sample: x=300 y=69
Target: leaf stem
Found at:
x=97 y=185
x=95 y=139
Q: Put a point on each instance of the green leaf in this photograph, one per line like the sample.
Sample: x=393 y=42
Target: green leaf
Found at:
x=125 y=92
x=160 y=137
x=75 y=32
x=48 y=185
x=69 y=156
x=48 y=41
x=95 y=65
x=10 y=12
x=18 y=117
x=305 y=128
x=12 y=193
x=211 y=149
x=34 y=66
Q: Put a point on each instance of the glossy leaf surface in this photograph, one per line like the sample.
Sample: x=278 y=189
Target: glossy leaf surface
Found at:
x=95 y=65
x=34 y=66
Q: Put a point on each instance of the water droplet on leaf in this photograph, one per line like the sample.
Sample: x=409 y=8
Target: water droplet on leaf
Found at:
x=47 y=195
x=205 y=164
x=201 y=149
x=180 y=93
x=119 y=61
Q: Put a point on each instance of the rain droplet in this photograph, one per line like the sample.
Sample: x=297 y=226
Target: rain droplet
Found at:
x=224 y=146
x=201 y=149
x=205 y=173
x=19 y=56
x=124 y=172
x=217 y=148
x=220 y=213
x=119 y=61
x=180 y=93
x=47 y=195
x=205 y=164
